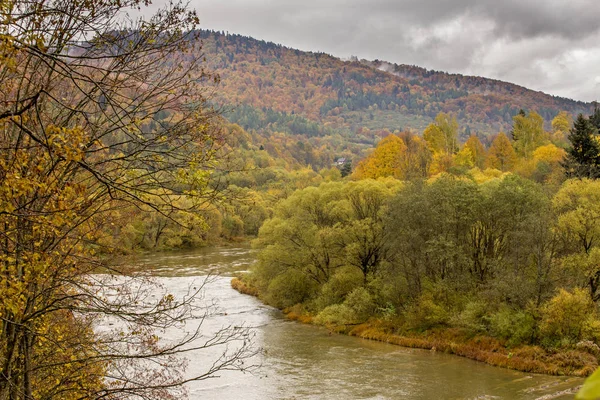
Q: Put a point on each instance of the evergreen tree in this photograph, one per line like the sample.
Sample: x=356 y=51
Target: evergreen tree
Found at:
x=346 y=169
x=583 y=157
x=595 y=117
x=521 y=114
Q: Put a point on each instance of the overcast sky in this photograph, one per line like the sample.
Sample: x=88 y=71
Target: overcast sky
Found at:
x=547 y=45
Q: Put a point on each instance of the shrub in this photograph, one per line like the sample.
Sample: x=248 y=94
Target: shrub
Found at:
x=515 y=326
x=473 y=317
x=361 y=303
x=343 y=282
x=426 y=314
x=388 y=291
x=289 y=288
x=337 y=314
x=568 y=318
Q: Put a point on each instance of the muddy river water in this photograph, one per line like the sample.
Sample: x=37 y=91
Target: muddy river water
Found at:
x=307 y=362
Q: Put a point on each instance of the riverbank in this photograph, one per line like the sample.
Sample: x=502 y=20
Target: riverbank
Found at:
x=580 y=360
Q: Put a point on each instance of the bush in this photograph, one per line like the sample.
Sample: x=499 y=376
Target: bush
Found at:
x=361 y=303
x=289 y=288
x=426 y=314
x=568 y=318
x=343 y=282
x=473 y=317
x=515 y=326
x=389 y=292
x=337 y=314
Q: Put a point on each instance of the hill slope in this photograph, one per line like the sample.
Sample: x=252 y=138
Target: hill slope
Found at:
x=259 y=77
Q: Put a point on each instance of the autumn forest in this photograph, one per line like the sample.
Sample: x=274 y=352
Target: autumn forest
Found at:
x=390 y=202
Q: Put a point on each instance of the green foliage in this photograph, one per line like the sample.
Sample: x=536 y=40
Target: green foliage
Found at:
x=426 y=313
x=474 y=317
x=289 y=288
x=343 y=282
x=361 y=302
x=337 y=314
x=487 y=258
x=517 y=326
x=583 y=156
x=591 y=388
x=232 y=226
x=568 y=317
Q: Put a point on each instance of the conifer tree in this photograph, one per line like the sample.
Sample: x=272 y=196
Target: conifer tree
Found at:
x=583 y=157
x=595 y=117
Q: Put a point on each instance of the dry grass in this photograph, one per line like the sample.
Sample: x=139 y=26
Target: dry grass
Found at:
x=241 y=287
x=488 y=350
x=480 y=348
x=296 y=313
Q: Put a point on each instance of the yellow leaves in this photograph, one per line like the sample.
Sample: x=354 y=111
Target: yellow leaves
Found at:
x=549 y=153
x=441 y=163
x=435 y=138
x=501 y=154
x=465 y=158
x=477 y=150
x=528 y=133
x=568 y=316
x=577 y=204
x=384 y=161
x=441 y=135
x=66 y=142
x=562 y=122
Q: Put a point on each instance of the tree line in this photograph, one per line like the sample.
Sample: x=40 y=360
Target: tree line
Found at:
x=503 y=258
x=487 y=251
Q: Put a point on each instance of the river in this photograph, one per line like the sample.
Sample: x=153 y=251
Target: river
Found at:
x=307 y=362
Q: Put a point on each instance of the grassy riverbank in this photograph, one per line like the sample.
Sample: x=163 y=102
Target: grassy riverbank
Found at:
x=578 y=360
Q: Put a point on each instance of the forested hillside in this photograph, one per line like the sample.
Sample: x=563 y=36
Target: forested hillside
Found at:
x=315 y=94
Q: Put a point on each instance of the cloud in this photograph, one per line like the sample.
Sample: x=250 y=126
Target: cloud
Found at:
x=548 y=45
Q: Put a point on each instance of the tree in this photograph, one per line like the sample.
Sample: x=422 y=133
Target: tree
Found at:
x=364 y=239
x=441 y=135
x=477 y=151
x=320 y=234
x=96 y=116
x=561 y=124
x=548 y=160
x=384 y=161
x=583 y=157
x=415 y=161
x=578 y=207
x=501 y=154
x=303 y=235
x=595 y=117
x=346 y=169
x=528 y=132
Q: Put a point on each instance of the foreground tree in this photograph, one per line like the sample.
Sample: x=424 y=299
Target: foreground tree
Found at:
x=95 y=117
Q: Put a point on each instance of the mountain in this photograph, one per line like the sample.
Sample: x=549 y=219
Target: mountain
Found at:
x=259 y=76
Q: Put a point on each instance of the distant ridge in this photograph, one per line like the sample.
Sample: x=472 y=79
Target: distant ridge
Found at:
x=348 y=95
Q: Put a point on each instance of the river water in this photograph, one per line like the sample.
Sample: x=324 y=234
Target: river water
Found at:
x=307 y=362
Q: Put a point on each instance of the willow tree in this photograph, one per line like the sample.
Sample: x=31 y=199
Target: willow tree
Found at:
x=96 y=115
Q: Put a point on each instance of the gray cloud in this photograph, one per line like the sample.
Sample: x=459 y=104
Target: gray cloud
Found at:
x=548 y=45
